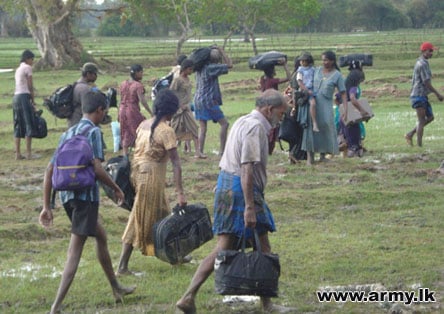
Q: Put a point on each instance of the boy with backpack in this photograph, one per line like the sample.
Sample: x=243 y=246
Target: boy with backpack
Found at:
x=81 y=204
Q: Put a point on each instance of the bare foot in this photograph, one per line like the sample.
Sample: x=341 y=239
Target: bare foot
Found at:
x=19 y=157
x=200 y=156
x=408 y=139
x=125 y=272
x=315 y=128
x=186 y=305
x=120 y=292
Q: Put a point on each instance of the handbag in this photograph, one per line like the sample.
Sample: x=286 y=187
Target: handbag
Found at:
x=247 y=273
x=40 y=129
x=178 y=234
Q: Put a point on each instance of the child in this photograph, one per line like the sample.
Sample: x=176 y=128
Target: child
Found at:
x=305 y=75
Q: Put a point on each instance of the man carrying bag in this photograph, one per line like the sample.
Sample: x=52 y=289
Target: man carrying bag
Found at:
x=239 y=198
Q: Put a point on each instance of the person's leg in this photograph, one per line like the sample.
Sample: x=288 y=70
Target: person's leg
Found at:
x=72 y=262
x=28 y=140
x=18 y=154
x=310 y=158
x=202 y=135
x=127 y=249
x=312 y=102
x=223 y=134
x=187 y=302
x=105 y=261
x=422 y=121
x=197 y=153
x=266 y=302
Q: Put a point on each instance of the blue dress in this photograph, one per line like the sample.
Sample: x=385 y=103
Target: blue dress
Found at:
x=324 y=141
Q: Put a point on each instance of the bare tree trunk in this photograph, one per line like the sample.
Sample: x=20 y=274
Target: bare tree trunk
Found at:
x=50 y=26
x=3 y=24
x=250 y=32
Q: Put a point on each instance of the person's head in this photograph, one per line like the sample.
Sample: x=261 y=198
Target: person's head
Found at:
x=187 y=66
x=354 y=78
x=272 y=104
x=270 y=71
x=136 y=72
x=27 y=56
x=165 y=106
x=329 y=60
x=180 y=59
x=306 y=59
x=215 y=56
x=94 y=105
x=427 y=49
x=89 y=71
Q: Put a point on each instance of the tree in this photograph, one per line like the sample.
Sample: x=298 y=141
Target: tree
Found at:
x=245 y=15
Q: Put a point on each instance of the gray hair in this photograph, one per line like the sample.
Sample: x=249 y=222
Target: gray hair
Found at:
x=270 y=97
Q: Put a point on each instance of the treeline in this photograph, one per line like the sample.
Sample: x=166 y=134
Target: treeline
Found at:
x=334 y=16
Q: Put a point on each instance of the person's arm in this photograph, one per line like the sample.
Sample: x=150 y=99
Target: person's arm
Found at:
x=225 y=59
x=287 y=73
x=142 y=99
x=428 y=85
x=177 y=172
x=46 y=216
x=247 y=189
x=344 y=103
x=103 y=177
x=31 y=88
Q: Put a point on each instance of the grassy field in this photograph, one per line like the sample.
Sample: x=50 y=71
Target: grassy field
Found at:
x=356 y=224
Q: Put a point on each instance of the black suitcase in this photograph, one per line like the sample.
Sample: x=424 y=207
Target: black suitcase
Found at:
x=265 y=60
x=200 y=58
x=119 y=169
x=180 y=233
x=364 y=58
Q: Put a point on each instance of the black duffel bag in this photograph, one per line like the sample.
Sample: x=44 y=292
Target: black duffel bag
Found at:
x=40 y=128
x=364 y=58
x=200 y=58
x=182 y=232
x=265 y=60
x=252 y=273
x=119 y=169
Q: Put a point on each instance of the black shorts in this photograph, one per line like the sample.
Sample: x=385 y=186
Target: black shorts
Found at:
x=23 y=114
x=83 y=216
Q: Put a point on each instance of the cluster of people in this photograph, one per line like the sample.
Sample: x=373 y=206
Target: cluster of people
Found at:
x=244 y=154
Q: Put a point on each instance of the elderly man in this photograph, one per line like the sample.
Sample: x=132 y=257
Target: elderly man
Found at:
x=239 y=199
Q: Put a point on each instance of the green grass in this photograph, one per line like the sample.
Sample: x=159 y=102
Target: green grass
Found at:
x=376 y=219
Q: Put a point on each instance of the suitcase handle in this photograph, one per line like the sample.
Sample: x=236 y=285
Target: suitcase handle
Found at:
x=256 y=241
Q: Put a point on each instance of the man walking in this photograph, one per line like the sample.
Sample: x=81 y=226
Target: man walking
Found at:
x=421 y=87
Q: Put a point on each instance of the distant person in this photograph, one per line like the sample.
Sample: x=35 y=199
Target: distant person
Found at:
x=183 y=121
x=208 y=97
x=305 y=76
x=268 y=80
x=132 y=93
x=176 y=69
x=327 y=79
x=84 y=84
x=23 y=105
x=155 y=145
x=421 y=87
x=353 y=132
x=239 y=195
x=82 y=207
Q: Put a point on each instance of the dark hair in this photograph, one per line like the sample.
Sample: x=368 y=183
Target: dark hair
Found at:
x=354 y=78
x=307 y=57
x=27 y=54
x=134 y=69
x=165 y=104
x=330 y=55
x=269 y=71
x=180 y=59
x=92 y=100
x=186 y=63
